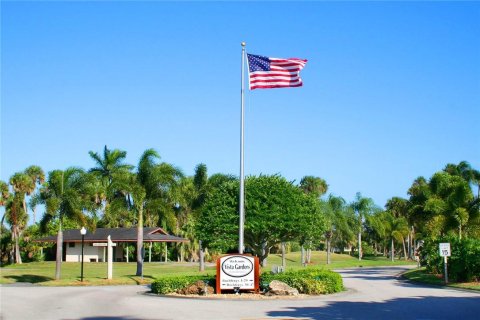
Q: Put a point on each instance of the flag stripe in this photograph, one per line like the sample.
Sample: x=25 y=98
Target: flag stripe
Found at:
x=266 y=73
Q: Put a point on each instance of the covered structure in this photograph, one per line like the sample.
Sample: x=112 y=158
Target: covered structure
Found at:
x=95 y=243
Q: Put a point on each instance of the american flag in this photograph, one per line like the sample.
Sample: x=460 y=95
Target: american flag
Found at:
x=266 y=73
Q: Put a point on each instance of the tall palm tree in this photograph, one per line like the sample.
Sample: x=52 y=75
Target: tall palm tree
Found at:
x=396 y=229
x=361 y=206
x=16 y=211
x=17 y=218
x=112 y=174
x=315 y=186
x=22 y=185
x=154 y=196
x=37 y=175
x=66 y=194
x=335 y=207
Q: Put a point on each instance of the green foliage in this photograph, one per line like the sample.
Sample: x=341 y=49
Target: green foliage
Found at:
x=445 y=204
x=165 y=285
x=463 y=265
x=275 y=211
x=308 y=281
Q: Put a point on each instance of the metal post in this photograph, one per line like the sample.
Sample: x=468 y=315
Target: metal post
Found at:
x=242 y=177
x=446 y=270
x=81 y=277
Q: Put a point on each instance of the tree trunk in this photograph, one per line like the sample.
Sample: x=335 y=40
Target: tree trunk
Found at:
x=392 y=252
x=328 y=252
x=150 y=252
x=460 y=232
x=302 y=256
x=404 y=250
x=166 y=252
x=360 y=246
x=18 y=257
x=140 y=243
x=201 y=255
x=58 y=258
x=264 y=255
x=182 y=252
x=409 y=248
x=126 y=248
x=284 y=261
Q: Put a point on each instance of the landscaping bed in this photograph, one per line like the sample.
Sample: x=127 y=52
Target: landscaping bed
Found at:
x=309 y=281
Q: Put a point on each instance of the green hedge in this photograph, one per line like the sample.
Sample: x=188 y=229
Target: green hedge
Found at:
x=463 y=265
x=172 y=284
x=307 y=281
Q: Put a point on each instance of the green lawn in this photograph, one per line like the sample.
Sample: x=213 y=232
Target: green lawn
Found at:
x=421 y=275
x=124 y=273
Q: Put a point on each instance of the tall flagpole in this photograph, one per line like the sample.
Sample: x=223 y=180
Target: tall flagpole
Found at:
x=242 y=175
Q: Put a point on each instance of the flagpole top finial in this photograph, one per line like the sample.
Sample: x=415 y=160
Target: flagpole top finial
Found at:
x=243 y=44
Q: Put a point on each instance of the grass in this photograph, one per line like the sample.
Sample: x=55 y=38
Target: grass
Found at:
x=421 y=275
x=43 y=273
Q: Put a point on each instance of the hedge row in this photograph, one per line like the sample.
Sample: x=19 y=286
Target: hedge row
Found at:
x=307 y=281
x=172 y=284
x=463 y=265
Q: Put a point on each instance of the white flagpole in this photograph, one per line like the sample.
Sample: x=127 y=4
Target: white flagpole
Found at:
x=242 y=174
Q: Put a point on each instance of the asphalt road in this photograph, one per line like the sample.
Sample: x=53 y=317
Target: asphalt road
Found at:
x=373 y=293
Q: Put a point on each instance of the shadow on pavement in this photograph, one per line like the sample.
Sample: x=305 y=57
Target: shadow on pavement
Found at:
x=425 y=307
x=109 y=318
x=31 y=278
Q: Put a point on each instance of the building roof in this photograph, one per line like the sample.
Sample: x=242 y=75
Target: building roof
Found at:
x=116 y=234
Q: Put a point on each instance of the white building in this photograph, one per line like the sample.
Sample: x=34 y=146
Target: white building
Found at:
x=95 y=242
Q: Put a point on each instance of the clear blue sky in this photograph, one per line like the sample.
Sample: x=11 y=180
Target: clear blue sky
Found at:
x=391 y=90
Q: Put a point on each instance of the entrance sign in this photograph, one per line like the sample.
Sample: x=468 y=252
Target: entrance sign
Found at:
x=237 y=272
x=444 y=249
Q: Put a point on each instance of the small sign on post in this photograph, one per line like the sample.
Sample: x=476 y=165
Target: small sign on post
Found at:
x=445 y=252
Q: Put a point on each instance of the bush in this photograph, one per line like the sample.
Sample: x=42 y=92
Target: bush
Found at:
x=308 y=281
x=463 y=265
x=172 y=284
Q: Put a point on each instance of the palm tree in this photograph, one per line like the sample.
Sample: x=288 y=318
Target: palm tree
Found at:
x=66 y=194
x=376 y=224
x=4 y=193
x=396 y=229
x=17 y=218
x=112 y=174
x=16 y=210
x=361 y=206
x=400 y=207
x=154 y=196
x=37 y=176
x=22 y=185
x=315 y=186
x=335 y=208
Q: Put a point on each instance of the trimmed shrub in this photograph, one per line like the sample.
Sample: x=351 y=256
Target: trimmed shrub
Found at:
x=463 y=265
x=308 y=281
x=172 y=284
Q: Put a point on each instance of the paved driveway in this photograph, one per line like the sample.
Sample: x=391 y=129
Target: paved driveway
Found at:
x=374 y=293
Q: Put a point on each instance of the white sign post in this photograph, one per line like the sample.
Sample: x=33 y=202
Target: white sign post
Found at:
x=445 y=252
x=109 y=258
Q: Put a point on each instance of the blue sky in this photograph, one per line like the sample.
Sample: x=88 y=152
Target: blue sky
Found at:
x=391 y=90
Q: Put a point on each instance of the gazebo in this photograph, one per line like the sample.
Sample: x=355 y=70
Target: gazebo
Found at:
x=95 y=242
